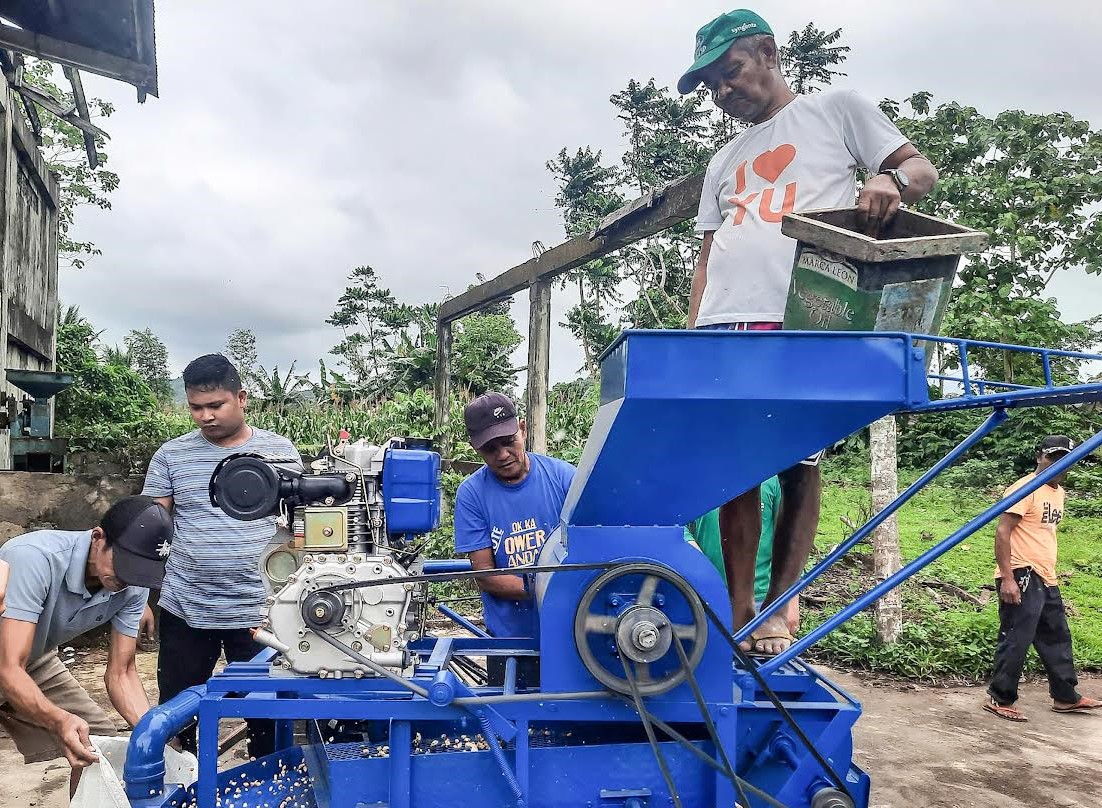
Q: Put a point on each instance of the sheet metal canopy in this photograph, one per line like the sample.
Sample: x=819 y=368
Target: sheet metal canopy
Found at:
x=113 y=38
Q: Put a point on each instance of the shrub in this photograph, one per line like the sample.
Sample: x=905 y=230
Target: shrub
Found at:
x=108 y=408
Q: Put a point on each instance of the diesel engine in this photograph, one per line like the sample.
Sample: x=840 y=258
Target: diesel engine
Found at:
x=353 y=519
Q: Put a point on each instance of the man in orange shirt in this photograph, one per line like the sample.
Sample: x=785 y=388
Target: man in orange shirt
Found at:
x=1031 y=611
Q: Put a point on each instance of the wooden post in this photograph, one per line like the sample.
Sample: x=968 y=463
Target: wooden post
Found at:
x=442 y=386
x=539 y=365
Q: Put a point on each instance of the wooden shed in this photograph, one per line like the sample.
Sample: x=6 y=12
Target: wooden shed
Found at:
x=113 y=38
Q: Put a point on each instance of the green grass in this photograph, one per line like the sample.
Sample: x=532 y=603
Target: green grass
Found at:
x=944 y=636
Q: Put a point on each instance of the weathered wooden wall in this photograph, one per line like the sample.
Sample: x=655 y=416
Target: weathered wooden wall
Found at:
x=28 y=251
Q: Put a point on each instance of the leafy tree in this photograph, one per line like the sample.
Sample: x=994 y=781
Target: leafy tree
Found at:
x=367 y=314
x=571 y=408
x=390 y=346
x=808 y=57
x=117 y=355
x=667 y=134
x=278 y=391
x=587 y=193
x=109 y=408
x=70 y=315
x=64 y=153
x=76 y=340
x=669 y=138
x=587 y=190
x=331 y=388
x=663 y=270
x=484 y=345
x=590 y=325
x=149 y=359
x=241 y=350
x=412 y=365
x=481 y=352
x=1031 y=181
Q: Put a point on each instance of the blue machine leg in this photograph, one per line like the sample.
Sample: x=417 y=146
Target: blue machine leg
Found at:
x=522 y=756
x=284 y=734
x=206 y=787
x=726 y=724
x=400 y=750
x=935 y=552
x=993 y=421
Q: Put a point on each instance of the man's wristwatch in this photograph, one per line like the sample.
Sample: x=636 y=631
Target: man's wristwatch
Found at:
x=901 y=180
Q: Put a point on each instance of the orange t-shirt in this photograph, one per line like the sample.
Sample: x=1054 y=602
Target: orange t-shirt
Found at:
x=1033 y=541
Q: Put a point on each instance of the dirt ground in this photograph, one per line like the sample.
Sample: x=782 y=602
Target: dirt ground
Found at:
x=923 y=747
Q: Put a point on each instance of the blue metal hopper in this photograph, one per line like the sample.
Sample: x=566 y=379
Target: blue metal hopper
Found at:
x=690 y=419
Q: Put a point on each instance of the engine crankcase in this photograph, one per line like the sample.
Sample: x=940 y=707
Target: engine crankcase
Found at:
x=376 y=622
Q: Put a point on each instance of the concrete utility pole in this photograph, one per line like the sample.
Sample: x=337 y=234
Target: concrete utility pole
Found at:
x=886 y=558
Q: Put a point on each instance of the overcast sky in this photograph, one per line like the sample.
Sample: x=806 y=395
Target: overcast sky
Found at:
x=289 y=147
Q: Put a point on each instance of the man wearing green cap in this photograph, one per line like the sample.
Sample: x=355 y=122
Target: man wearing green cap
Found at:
x=798 y=153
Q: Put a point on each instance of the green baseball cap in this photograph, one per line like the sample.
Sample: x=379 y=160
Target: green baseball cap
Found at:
x=714 y=38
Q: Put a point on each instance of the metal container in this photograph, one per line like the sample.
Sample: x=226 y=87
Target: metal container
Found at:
x=843 y=280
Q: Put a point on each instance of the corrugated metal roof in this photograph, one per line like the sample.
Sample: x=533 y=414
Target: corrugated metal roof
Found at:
x=113 y=38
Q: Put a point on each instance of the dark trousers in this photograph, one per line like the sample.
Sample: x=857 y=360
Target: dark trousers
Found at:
x=1039 y=620
x=187 y=658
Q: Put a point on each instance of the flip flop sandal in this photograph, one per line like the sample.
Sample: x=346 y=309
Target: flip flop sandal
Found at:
x=1084 y=705
x=1005 y=712
x=757 y=638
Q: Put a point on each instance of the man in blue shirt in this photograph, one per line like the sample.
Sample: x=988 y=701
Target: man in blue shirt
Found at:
x=63 y=584
x=504 y=512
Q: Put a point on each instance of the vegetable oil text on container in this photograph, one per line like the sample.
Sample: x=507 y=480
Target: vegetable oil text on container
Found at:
x=843 y=280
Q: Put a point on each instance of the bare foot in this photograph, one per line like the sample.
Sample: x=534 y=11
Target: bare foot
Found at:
x=740 y=618
x=772 y=637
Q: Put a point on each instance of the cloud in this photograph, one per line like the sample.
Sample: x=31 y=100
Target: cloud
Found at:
x=289 y=147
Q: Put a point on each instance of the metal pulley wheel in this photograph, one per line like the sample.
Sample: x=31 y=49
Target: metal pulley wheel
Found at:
x=632 y=615
x=322 y=611
x=830 y=798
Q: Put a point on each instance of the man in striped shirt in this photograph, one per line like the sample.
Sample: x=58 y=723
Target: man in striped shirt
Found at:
x=213 y=593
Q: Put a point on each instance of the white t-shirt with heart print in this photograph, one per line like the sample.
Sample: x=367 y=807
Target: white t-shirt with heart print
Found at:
x=804 y=158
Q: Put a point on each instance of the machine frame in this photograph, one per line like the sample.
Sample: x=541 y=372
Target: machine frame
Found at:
x=735 y=730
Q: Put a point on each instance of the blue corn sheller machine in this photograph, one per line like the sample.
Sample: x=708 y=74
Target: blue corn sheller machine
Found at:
x=644 y=699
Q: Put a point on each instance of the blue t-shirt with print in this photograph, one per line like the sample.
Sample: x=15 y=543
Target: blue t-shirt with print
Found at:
x=515 y=521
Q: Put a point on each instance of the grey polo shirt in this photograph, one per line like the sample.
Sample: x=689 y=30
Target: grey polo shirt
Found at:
x=46 y=586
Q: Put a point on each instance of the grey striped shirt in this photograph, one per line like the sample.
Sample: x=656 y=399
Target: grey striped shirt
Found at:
x=213 y=576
